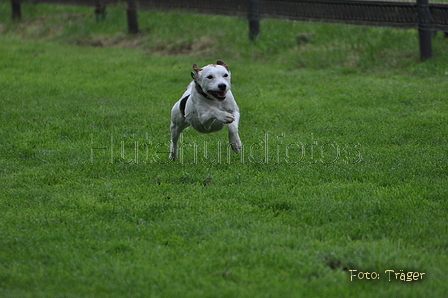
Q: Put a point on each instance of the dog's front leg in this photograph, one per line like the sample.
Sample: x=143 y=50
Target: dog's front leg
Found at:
x=234 y=138
x=212 y=115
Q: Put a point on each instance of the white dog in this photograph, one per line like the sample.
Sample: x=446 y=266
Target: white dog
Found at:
x=207 y=105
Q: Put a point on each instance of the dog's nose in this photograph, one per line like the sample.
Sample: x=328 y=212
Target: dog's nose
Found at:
x=222 y=87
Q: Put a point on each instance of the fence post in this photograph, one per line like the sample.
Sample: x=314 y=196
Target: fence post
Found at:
x=254 y=19
x=16 y=10
x=131 y=12
x=100 y=10
x=424 y=29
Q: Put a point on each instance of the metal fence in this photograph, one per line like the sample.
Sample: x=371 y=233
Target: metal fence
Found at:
x=422 y=15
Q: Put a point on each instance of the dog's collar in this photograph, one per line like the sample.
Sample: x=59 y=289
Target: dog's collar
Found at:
x=199 y=88
x=201 y=91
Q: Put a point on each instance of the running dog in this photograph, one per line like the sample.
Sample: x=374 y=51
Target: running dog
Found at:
x=207 y=105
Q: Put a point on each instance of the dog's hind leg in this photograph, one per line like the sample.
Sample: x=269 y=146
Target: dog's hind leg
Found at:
x=178 y=124
x=176 y=130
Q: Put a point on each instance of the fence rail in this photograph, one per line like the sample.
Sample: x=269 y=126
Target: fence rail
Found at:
x=420 y=15
x=362 y=12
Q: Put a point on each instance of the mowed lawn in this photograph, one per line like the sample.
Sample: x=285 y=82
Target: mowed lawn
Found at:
x=341 y=190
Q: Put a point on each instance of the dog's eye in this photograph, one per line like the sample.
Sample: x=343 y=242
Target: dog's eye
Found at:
x=226 y=75
x=210 y=77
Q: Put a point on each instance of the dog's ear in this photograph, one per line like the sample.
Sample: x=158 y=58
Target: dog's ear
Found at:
x=219 y=62
x=195 y=72
x=195 y=68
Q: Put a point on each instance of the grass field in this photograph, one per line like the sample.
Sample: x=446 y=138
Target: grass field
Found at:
x=344 y=164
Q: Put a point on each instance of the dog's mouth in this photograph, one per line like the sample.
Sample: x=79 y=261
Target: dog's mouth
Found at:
x=221 y=95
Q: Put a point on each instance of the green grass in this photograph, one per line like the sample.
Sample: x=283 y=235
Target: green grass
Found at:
x=344 y=164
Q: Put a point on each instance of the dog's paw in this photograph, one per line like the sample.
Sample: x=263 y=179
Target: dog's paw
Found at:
x=236 y=144
x=226 y=118
x=173 y=155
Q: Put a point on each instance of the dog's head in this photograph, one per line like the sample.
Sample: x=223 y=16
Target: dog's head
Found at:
x=214 y=79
